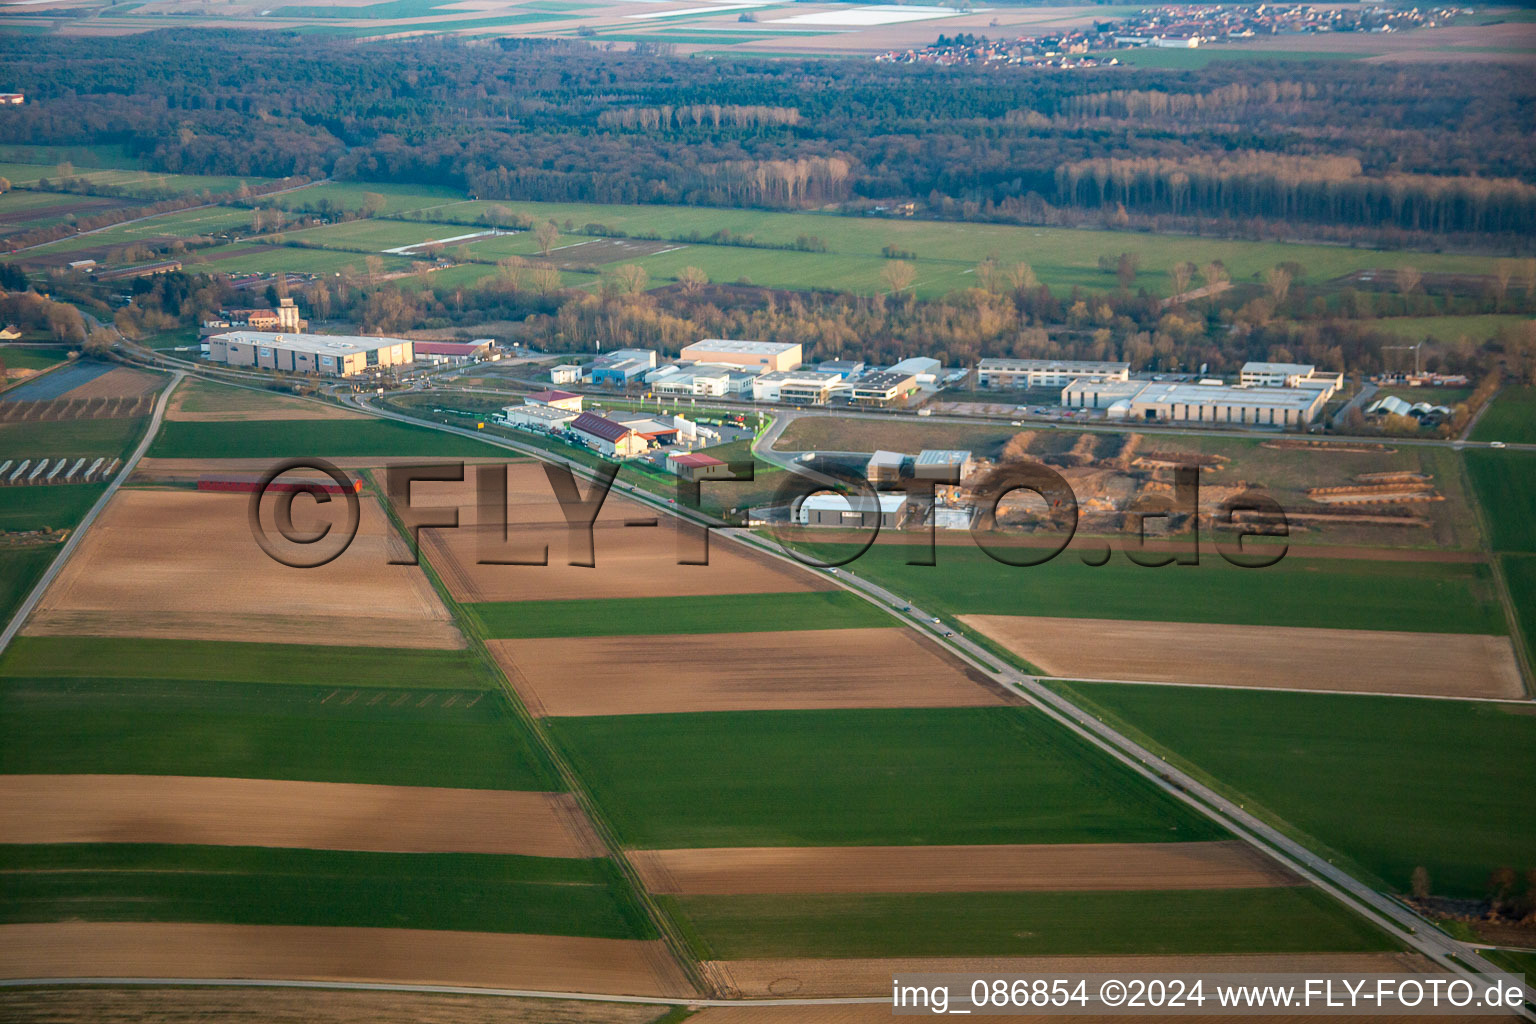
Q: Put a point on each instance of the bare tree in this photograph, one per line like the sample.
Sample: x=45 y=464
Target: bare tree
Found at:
x=631 y=278
x=375 y=267
x=1419 y=885
x=512 y=270
x=692 y=279
x=545 y=280
x=988 y=275
x=899 y=275
x=1181 y=274
x=1214 y=274
x=1021 y=275
x=1278 y=281
x=373 y=204
x=1408 y=280
x=546 y=235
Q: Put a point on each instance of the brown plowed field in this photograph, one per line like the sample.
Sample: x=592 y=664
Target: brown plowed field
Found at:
x=298 y=1006
x=629 y=560
x=831 y=668
x=872 y=976
x=119 y=382
x=183 y=564
x=1284 y=657
x=312 y=815
x=79 y=949
x=191 y=469
x=868 y=869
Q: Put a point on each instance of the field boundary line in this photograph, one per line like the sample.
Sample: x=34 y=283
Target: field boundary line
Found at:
x=24 y=611
x=1290 y=689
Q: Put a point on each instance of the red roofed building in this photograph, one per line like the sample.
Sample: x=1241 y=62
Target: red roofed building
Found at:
x=556 y=400
x=697 y=466
x=606 y=437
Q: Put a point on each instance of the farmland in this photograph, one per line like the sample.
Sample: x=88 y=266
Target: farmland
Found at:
x=75 y=438
x=1506 y=487
x=1520 y=577
x=1387 y=784
x=716 y=613
x=1022 y=924
x=254 y=885
x=1511 y=417
x=42 y=508
x=326 y=438
x=1439 y=597
x=20 y=569
x=785 y=778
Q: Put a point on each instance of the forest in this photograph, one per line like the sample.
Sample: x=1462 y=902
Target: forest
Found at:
x=1332 y=150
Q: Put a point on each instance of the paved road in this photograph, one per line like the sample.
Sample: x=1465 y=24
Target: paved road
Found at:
x=90 y=517
x=1364 y=395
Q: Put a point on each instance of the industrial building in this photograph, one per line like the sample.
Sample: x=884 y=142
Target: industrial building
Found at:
x=697 y=466
x=884 y=467
x=606 y=437
x=1197 y=403
x=556 y=400
x=944 y=464
x=337 y=355
x=709 y=383
x=565 y=373
x=858 y=513
x=545 y=418
x=796 y=387
x=621 y=366
x=1020 y=374
x=455 y=351
x=885 y=387
x=925 y=370
x=844 y=368
x=747 y=355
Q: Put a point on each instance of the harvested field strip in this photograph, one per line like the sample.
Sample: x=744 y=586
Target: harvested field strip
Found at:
x=390 y=736
x=1506 y=488
x=285 y=438
x=159 y=564
x=963 y=776
x=806 y=978
x=255 y=885
x=876 y=869
x=717 y=613
x=1433 y=597
x=834 y=668
x=1273 y=920
x=134 y=658
x=1389 y=783
x=176 y=950
x=1424 y=664
x=310 y=815
x=88 y=1005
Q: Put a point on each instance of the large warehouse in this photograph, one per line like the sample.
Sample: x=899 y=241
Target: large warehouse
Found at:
x=1197 y=403
x=749 y=355
x=336 y=355
x=1045 y=373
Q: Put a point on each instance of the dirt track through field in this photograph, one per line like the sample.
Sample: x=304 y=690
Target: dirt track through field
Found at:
x=310 y=815
x=78 y=949
x=1287 y=657
x=635 y=550
x=831 y=668
x=856 y=976
x=871 y=869
x=184 y=564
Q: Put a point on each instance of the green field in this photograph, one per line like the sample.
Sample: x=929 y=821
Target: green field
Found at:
x=1388 y=783
x=1283 y=920
x=210 y=220
x=20 y=569
x=1511 y=417
x=834 y=778
x=22 y=357
x=25 y=211
x=41 y=657
x=246 y=257
x=343 y=732
x=74 y=438
x=1506 y=488
x=351 y=196
x=1439 y=597
x=329 y=888
x=179 y=439
x=640 y=616
x=1520 y=577
x=1447 y=328
x=46 y=508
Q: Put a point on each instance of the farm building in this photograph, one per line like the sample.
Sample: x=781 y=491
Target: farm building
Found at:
x=565 y=373
x=942 y=464
x=884 y=467
x=1017 y=374
x=860 y=511
x=882 y=388
x=615 y=440
x=535 y=417
x=697 y=466
x=556 y=400
x=338 y=355
x=757 y=355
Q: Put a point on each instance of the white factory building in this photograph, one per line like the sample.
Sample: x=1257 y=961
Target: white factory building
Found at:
x=1018 y=374
x=1197 y=403
x=747 y=355
x=797 y=387
x=336 y=355
x=1290 y=375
